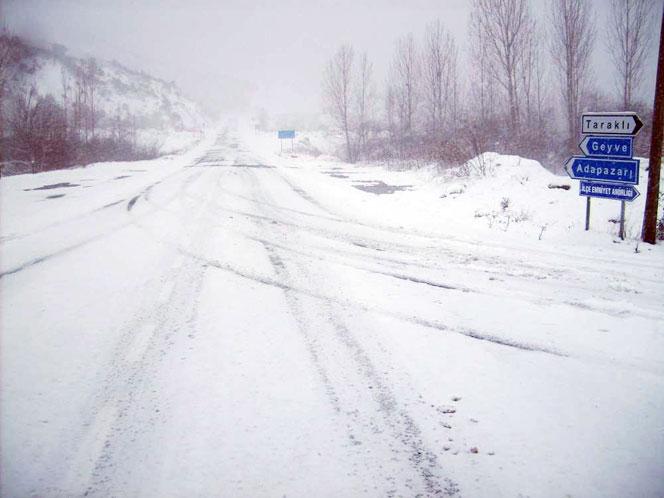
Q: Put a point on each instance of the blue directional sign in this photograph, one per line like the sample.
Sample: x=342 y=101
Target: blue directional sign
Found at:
x=614 y=147
x=283 y=134
x=608 y=170
x=608 y=191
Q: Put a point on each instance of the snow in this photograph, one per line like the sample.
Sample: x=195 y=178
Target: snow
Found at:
x=235 y=321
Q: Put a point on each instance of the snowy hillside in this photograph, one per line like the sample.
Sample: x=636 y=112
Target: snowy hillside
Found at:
x=162 y=115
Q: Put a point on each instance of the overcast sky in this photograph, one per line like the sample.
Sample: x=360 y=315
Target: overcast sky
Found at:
x=241 y=54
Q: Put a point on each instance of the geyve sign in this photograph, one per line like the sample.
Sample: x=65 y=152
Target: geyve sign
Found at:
x=605 y=147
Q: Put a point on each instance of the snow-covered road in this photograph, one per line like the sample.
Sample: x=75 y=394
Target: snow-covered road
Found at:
x=213 y=327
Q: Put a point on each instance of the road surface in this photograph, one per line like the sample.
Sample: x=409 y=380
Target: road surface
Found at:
x=215 y=329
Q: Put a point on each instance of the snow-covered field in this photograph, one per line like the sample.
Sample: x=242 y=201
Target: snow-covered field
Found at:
x=235 y=322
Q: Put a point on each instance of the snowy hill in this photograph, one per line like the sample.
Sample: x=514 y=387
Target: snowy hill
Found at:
x=162 y=115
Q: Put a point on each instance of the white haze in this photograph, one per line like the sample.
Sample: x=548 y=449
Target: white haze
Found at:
x=240 y=56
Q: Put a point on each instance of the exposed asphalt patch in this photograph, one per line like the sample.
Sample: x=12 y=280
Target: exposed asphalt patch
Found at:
x=55 y=196
x=337 y=175
x=380 y=187
x=122 y=176
x=54 y=185
x=131 y=203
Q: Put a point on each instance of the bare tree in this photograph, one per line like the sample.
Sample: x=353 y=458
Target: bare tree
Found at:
x=364 y=101
x=79 y=104
x=405 y=72
x=433 y=63
x=572 y=39
x=439 y=74
x=628 y=39
x=22 y=122
x=337 y=92
x=91 y=74
x=65 y=79
x=482 y=83
x=451 y=85
x=541 y=94
x=506 y=27
x=390 y=108
x=9 y=53
x=528 y=79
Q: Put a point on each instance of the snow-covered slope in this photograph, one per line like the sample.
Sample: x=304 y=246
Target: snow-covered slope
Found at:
x=157 y=108
x=154 y=102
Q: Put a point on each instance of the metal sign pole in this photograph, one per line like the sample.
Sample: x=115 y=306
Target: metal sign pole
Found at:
x=622 y=220
x=587 y=213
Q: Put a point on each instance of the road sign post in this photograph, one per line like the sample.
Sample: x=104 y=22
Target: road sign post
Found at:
x=649 y=230
x=285 y=135
x=607 y=169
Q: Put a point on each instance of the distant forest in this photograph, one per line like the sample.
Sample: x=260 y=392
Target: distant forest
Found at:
x=44 y=132
x=521 y=88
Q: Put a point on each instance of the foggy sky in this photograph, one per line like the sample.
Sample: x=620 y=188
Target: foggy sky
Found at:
x=239 y=55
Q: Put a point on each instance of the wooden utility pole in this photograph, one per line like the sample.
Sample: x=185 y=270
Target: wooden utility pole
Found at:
x=649 y=233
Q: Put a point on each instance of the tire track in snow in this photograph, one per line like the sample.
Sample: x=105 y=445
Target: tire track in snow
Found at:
x=402 y=428
x=270 y=281
x=126 y=409
x=89 y=240
x=402 y=265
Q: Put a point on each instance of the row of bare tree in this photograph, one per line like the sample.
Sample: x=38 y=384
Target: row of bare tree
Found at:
x=519 y=73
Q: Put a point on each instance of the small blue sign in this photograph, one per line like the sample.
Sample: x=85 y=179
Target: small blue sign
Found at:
x=608 y=191
x=611 y=147
x=283 y=134
x=607 y=170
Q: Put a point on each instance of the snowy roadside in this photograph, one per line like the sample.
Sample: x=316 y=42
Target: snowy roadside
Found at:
x=27 y=205
x=170 y=141
x=512 y=204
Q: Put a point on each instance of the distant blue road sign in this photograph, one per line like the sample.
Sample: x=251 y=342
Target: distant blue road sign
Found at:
x=607 y=170
x=282 y=134
x=614 y=147
x=608 y=191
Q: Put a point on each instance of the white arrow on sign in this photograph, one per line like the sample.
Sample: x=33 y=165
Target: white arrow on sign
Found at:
x=611 y=123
